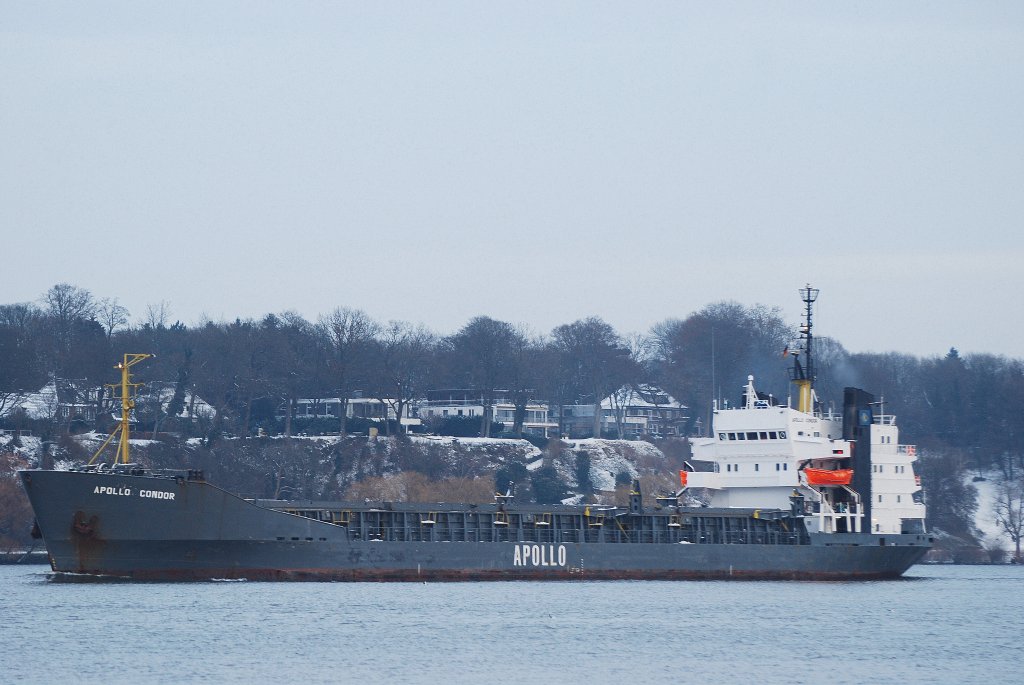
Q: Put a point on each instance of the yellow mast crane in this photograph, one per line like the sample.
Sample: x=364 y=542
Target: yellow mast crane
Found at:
x=125 y=392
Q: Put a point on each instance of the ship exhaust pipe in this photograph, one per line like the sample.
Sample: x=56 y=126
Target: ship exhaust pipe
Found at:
x=858 y=416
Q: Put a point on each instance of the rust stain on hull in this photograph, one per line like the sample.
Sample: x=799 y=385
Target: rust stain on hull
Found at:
x=86 y=541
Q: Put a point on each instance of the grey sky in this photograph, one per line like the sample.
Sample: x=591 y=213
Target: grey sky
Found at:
x=535 y=162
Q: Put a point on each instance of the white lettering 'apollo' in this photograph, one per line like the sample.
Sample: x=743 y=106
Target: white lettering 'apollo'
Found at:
x=127 y=492
x=539 y=555
x=109 y=490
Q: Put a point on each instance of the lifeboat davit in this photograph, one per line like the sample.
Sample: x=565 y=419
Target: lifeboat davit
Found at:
x=829 y=477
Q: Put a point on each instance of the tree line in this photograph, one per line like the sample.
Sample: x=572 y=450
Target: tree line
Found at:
x=248 y=369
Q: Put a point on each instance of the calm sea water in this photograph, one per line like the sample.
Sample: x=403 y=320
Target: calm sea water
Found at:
x=938 y=625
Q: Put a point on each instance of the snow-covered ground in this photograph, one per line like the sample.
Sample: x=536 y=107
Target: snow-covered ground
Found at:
x=31 y=446
x=985 y=517
x=611 y=457
x=530 y=450
x=44 y=403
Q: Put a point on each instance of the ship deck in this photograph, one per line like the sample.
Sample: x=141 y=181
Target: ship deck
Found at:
x=449 y=522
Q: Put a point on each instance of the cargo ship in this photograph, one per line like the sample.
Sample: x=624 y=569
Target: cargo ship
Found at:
x=789 y=493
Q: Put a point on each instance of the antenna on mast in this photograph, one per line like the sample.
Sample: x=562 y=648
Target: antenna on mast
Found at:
x=714 y=391
x=803 y=375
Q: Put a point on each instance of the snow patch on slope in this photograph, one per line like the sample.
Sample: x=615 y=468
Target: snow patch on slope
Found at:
x=608 y=458
x=985 y=516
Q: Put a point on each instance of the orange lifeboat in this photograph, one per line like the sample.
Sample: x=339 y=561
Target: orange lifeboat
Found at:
x=682 y=478
x=828 y=477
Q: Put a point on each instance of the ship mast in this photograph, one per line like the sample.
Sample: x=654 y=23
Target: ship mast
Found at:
x=124 y=391
x=803 y=375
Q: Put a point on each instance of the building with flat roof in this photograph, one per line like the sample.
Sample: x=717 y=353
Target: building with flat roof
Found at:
x=469 y=403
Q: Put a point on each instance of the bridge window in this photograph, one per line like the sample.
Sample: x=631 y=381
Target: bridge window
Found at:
x=752 y=435
x=773 y=435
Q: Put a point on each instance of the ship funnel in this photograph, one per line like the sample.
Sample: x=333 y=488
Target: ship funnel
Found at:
x=858 y=418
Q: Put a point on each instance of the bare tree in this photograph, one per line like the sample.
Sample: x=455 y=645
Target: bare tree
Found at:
x=483 y=352
x=10 y=400
x=348 y=335
x=294 y=359
x=401 y=364
x=66 y=302
x=595 y=354
x=157 y=315
x=620 y=400
x=224 y=363
x=1009 y=511
x=714 y=350
x=640 y=347
x=525 y=370
x=67 y=306
x=111 y=315
x=22 y=318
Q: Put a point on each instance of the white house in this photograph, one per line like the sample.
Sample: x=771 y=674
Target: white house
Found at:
x=470 y=404
x=368 y=408
x=632 y=412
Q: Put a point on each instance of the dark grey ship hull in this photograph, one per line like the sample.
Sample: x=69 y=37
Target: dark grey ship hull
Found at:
x=163 y=528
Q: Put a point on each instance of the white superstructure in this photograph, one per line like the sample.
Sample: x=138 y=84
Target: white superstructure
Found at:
x=766 y=455
x=896 y=504
x=758 y=452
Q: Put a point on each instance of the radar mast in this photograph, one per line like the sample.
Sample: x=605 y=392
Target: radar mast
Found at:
x=803 y=374
x=125 y=391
